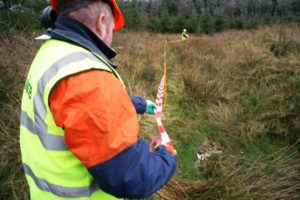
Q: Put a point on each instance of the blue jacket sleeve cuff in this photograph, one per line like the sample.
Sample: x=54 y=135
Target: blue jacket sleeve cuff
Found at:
x=136 y=172
x=140 y=104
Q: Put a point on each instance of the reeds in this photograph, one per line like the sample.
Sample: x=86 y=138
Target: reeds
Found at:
x=229 y=87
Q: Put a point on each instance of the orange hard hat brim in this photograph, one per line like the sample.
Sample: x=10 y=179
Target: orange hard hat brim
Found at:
x=118 y=16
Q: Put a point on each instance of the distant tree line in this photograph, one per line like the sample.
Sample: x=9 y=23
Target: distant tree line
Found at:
x=197 y=16
x=22 y=15
x=206 y=16
x=33 y=6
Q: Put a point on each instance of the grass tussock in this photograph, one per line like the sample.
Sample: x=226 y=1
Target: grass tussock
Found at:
x=230 y=177
x=198 y=88
x=233 y=88
x=273 y=177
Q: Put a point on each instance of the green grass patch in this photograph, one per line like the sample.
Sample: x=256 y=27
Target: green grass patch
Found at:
x=187 y=150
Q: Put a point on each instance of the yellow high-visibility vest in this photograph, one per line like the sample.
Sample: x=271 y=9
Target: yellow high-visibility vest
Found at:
x=52 y=171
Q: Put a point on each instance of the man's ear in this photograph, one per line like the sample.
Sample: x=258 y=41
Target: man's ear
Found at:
x=101 y=26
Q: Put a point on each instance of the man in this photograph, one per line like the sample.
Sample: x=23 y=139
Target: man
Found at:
x=184 y=35
x=79 y=131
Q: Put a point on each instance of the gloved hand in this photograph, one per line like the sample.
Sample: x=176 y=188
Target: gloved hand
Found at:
x=157 y=142
x=150 y=108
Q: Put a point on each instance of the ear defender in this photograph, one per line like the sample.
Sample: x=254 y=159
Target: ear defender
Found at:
x=48 y=17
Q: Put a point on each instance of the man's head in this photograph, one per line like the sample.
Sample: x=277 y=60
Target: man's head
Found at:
x=101 y=16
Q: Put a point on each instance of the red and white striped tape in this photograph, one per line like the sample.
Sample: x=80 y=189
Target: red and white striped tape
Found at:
x=165 y=139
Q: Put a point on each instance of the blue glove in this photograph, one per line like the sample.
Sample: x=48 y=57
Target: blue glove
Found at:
x=150 y=108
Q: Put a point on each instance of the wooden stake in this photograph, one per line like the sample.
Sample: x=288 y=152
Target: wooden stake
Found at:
x=165 y=74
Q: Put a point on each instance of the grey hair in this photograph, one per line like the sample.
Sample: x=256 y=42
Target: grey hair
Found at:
x=89 y=14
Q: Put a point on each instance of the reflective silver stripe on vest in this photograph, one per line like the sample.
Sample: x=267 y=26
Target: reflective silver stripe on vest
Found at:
x=67 y=192
x=50 y=141
x=39 y=127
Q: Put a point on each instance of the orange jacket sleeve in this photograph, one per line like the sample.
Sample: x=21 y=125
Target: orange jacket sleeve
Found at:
x=97 y=115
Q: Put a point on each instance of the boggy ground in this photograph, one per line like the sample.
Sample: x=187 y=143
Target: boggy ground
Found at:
x=239 y=89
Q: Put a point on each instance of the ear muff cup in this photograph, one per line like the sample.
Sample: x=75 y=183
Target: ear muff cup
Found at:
x=48 y=17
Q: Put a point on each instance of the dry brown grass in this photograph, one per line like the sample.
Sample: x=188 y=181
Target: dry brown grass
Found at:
x=198 y=86
x=229 y=177
x=275 y=179
x=229 y=87
x=245 y=92
x=16 y=52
